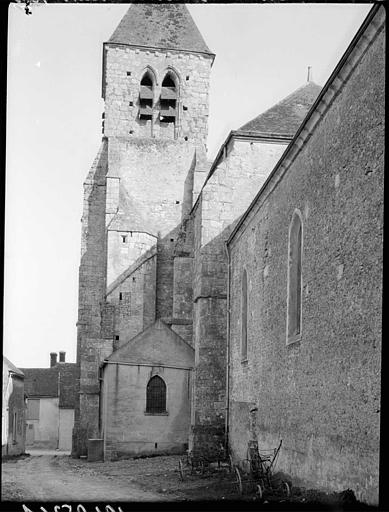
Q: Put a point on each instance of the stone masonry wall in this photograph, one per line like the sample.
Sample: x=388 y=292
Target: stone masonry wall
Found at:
x=129 y=430
x=124 y=248
x=153 y=176
x=125 y=67
x=155 y=189
x=131 y=304
x=14 y=410
x=224 y=197
x=320 y=395
x=183 y=298
x=92 y=272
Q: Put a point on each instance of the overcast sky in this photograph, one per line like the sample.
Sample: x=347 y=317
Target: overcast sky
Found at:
x=54 y=130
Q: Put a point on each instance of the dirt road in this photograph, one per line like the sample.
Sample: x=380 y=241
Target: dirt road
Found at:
x=44 y=478
x=59 y=478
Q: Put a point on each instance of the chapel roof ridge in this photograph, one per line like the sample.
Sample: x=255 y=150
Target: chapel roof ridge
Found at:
x=286 y=115
x=162 y=26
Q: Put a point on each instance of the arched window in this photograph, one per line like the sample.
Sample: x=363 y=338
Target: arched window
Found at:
x=294 y=278
x=244 y=317
x=156 y=395
x=146 y=96
x=168 y=101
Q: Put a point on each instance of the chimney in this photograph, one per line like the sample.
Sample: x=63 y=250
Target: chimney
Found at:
x=309 y=77
x=62 y=356
x=53 y=359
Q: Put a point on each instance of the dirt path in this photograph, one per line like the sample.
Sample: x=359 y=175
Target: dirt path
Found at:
x=42 y=478
x=59 y=478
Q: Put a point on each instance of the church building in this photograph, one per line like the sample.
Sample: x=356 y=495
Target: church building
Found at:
x=181 y=281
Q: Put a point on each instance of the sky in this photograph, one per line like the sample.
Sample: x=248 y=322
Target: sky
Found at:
x=54 y=109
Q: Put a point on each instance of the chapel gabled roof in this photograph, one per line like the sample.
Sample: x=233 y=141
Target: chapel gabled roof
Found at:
x=165 y=26
x=286 y=116
x=157 y=345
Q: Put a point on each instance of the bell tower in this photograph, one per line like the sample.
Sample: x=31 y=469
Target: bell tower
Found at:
x=146 y=176
x=156 y=69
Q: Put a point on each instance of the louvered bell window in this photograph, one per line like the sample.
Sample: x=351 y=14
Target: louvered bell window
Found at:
x=156 y=396
x=146 y=95
x=146 y=92
x=168 y=101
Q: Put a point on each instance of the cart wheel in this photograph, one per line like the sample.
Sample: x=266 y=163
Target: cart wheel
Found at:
x=181 y=470
x=239 y=480
x=259 y=492
x=286 y=489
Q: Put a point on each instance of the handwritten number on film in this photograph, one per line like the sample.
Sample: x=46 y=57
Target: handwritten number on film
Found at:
x=68 y=508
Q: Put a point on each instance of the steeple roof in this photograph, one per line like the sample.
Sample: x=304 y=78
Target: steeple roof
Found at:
x=165 y=26
x=285 y=116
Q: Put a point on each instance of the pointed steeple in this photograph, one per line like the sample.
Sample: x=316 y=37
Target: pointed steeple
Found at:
x=164 y=26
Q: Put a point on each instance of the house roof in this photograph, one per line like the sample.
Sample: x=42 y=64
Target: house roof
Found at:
x=165 y=26
x=285 y=116
x=41 y=381
x=57 y=381
x=12 y=368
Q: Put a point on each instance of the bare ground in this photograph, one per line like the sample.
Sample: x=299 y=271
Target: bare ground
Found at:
x=61 y=478
x=52 y=478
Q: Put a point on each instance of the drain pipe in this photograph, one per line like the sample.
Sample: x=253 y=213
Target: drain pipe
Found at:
x=228 y=348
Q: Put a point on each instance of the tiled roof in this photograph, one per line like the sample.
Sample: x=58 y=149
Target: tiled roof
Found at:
x=286 y=116
x=166 y=26
x=12 y=367
x=41 y=381
x=157 y=345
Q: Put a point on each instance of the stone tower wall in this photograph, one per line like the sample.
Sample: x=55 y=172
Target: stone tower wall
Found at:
x=131 y=301
x=90 y=347
x=124 y=69
x=151 y=173
x=125 y=247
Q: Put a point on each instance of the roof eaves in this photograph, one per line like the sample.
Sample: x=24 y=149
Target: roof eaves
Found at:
x=16 y=374
x=307 y=118
x=147 y=364
x=160 y=48
x=33 y=395
x=257 y=135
